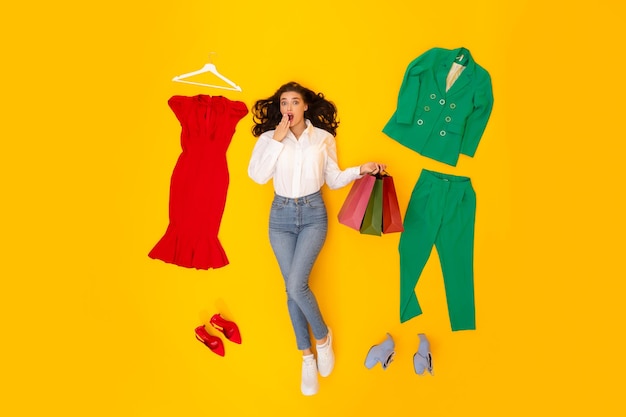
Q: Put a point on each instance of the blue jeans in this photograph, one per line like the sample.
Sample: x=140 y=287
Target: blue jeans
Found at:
x=297 y=233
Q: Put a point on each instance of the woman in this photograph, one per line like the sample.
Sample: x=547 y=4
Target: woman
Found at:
x=296 y=148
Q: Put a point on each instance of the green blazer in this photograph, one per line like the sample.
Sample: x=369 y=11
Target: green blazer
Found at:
x=439 y=124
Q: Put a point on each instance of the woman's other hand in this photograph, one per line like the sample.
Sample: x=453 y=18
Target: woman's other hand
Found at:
x=282 y=128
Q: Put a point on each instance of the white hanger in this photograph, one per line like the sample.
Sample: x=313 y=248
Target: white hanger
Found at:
x=210 y=67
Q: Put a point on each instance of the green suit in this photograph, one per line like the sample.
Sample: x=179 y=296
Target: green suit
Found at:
x=437 y=123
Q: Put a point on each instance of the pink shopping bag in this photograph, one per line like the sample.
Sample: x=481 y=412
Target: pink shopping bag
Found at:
x=392 y=217
x=353 y=209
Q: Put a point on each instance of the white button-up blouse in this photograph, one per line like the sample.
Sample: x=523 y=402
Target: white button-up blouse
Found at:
x=301 y=166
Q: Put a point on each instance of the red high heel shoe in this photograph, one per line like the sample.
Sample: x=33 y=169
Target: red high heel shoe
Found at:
x=229 y=328
x=212 y=342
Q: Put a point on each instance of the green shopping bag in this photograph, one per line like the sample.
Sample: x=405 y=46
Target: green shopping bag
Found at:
x=373 y=219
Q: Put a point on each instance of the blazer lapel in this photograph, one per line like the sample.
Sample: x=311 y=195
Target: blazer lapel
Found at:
x=441 y=73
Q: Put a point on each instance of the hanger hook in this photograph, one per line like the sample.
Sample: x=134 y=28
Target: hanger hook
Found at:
x=211 y=57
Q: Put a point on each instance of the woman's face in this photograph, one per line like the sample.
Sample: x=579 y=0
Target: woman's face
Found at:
x=292 y=104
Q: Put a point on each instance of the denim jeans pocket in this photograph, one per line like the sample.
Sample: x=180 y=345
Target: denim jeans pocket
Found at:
x=279 y=203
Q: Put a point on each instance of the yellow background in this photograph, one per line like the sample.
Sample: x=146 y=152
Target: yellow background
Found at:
x=91 y=326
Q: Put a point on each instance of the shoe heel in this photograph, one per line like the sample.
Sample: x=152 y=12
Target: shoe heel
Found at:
x=229 y=328
x=212 y=342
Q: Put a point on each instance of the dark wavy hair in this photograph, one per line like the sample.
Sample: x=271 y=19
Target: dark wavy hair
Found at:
x=321 y=112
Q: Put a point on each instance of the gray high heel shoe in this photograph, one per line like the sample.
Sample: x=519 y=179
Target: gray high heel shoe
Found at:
x=423 y=360
x=383 y=353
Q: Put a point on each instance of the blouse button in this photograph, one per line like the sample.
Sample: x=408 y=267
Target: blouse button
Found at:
x=433 y=96
x=452 y=105
x=442 y=133
x=426 y=108
x=448 y=119
x=442 y=102
x=420 y=122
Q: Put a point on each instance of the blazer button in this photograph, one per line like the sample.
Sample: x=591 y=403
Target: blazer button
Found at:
x=420 y=122
x=442 y=102
x=433 y=96
x=442 y=133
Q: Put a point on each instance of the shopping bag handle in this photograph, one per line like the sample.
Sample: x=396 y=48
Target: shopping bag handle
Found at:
x=380 y=175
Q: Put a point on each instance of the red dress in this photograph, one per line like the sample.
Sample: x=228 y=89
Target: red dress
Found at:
x=199 y=182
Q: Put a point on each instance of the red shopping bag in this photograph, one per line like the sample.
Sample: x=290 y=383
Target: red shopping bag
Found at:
x=392 y=218
x=353 y=209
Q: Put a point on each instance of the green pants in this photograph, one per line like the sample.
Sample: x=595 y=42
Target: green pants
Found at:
x=441 y=212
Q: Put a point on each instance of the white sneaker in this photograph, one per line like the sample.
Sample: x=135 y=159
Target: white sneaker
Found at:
x=326 y=356
x=309 y=384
